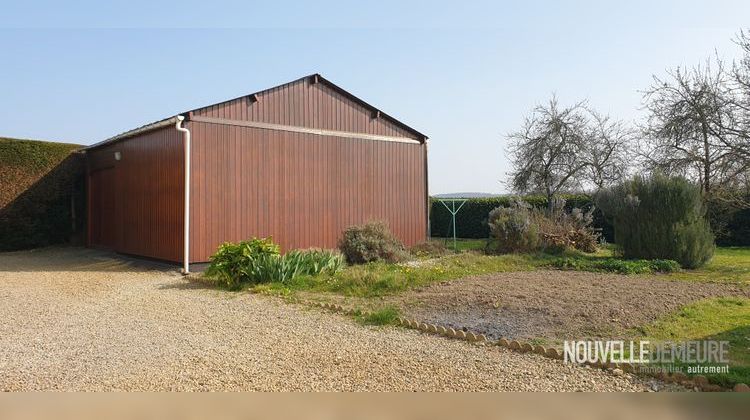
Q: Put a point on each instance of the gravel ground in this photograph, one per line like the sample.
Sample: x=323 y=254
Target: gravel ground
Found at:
x=556 y=305
x=76 y=319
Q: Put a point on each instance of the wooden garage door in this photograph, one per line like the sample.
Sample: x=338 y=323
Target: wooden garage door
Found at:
x=102 y=211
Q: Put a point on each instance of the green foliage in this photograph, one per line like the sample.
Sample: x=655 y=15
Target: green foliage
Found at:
x=259 y=261
x=379 y=279
x=41 y=189
x=513 y=229
x=471 y=221
x=659 y=218
x=371 y=242
x=736 y=225
x=237 y=263
x=383 y=316
x=616 y=265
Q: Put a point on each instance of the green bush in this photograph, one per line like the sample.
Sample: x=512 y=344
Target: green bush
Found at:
x=513 y=229
x=471 y=221
x=659 y=218
x=371 y=242
x=259 y=261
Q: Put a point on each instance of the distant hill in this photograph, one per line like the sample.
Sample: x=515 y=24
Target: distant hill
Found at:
x=466 y=195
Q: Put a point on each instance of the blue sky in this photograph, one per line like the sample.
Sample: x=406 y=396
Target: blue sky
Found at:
x=464 y=73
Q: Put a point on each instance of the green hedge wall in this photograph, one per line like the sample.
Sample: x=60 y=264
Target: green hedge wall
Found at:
x=471 y=221
x=41 y=189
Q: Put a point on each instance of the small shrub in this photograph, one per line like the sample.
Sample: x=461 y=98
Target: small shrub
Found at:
x=659 y=218
x=371 y=242
x=429 y=249
x=665 y=266
x=513 y=228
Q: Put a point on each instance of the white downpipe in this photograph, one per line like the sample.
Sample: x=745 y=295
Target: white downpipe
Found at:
x=186 y=251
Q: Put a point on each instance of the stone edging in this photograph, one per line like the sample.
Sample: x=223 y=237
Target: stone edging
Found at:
x=680 y=378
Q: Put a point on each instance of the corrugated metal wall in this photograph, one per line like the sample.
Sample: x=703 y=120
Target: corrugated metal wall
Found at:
x=302 y=189
x=136 y=204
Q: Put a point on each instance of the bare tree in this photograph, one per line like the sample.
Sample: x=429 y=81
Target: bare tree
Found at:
x=692 y=128
x=564 y=149
x=606 y=151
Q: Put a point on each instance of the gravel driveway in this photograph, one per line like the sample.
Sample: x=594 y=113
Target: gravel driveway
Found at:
x=76 y=319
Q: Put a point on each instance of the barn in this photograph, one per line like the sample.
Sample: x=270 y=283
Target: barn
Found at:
x=299 y=162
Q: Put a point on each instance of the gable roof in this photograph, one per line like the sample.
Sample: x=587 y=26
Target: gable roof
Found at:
x=316 y=76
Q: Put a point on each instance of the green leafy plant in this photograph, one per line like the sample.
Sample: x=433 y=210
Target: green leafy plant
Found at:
x=237 y=263
x=616 y=265
x=259 y=261
x=371 y=242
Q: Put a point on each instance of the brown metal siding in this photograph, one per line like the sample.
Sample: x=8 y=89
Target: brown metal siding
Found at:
x=306 y=104
x=302 y=189
x=136 y=204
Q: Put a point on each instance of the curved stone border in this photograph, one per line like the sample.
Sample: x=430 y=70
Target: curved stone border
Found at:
x=699 y=381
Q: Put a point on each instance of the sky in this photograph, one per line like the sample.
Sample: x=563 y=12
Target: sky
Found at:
x=464 y=73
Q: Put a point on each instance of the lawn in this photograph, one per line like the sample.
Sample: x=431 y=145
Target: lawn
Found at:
x=729 y=265
x=720 y=319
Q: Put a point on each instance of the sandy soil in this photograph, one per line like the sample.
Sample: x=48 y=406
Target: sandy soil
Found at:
x=555 y=305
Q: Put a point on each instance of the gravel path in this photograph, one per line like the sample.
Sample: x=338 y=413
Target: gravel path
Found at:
x=75 y=319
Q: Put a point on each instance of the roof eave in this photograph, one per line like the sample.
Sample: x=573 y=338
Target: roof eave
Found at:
x=136 y=131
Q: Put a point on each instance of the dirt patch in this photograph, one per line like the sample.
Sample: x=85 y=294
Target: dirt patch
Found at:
x=555 y=305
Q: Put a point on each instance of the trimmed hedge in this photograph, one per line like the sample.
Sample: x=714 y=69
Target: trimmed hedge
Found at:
x=471 y=221
x=41 y=185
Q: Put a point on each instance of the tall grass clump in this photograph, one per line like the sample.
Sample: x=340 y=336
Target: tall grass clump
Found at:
x=659 y=217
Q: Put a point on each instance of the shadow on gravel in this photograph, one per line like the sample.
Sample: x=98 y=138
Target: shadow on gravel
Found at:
x=78 y=259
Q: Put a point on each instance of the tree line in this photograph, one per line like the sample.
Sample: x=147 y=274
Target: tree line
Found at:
x=696 y=125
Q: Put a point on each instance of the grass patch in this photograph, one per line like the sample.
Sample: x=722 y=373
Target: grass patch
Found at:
x=729 y=265
x=462 y=244
x=721 y=319
x=383 y=316
x=380 y=279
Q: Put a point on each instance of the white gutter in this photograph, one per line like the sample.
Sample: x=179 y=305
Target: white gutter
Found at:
x=186 y=251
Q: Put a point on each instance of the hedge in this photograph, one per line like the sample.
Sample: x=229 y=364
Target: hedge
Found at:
x=471 y=220
x=41 y=188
